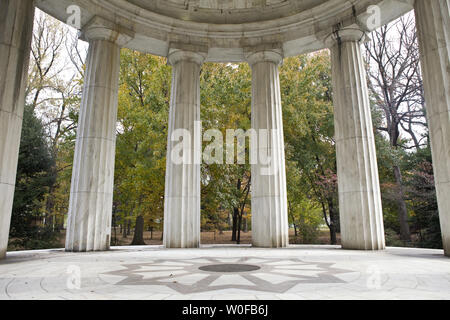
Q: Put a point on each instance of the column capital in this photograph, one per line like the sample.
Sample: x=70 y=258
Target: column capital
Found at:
x=101 y=29
x=273 y=55
x=348 y=34
x=177 y=55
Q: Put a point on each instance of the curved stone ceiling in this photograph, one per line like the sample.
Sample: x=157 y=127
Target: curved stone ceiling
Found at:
x=227 y=11
x=225 y=29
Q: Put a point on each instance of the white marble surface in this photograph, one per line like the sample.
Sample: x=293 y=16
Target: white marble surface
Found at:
x=293 y=273
x=182 y=190
x=433 y=25
x=16 y=25
x=91 y=196
x=269 y=195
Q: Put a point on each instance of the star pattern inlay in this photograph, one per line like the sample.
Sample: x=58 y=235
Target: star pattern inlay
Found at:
x=185 y=276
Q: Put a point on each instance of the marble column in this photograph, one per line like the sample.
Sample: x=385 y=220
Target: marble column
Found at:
x=270 y=227
x=91 y=196
x=360 y=206
x=433 y=26
x=182 y=193
x=16 y=28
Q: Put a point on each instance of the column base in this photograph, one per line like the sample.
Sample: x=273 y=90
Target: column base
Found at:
x=442 y=190
x=268 y=223
x=358 y=247
x=81 y=251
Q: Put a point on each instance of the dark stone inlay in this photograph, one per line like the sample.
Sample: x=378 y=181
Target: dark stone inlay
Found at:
x=230 y=268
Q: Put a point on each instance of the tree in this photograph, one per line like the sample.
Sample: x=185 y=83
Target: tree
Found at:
x=32 y=183
x=309 y=130
x=396 y=89
x=141 y=141
x=420 y=190
x=54 y=93
x=138 y=239
x=304 y=213
x=226 y=104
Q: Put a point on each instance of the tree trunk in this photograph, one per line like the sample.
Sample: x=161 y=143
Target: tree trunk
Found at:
x=405 y=233
x=138 y=239
x=238 y=241
x=333 y=222
x=235 y=221
x=295 y=227
x=129 y=228
x=328 y=222
x=114 y=241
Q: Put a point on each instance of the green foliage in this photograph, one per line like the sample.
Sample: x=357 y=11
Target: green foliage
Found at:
x=33 y=181
x=386 y=157
x=226 y=104
x=304 y=213
x=393 y=238
x=36 y=238
x=309 y=134
x=421 y=194
x=141 y=139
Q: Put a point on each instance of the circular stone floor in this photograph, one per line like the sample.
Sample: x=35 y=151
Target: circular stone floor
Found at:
x=295 y=273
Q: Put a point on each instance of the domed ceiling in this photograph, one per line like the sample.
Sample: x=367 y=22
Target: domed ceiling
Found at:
x=227 y=11
x=225 y=30
x=228 y=4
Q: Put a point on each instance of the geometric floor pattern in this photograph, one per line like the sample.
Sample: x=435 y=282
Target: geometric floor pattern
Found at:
x=245 y=273
x=186 y=276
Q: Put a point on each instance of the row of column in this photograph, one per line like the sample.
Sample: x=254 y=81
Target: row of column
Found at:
x=182 y=200
x=89 y=223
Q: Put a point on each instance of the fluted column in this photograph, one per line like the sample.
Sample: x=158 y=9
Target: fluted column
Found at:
x=269 y=198
x=359 y=190
x=182 y=193
x=433 y=25
x=91 y=196
x=16 y=28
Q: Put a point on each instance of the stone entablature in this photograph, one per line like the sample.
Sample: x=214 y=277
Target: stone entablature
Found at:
x=299 y=25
